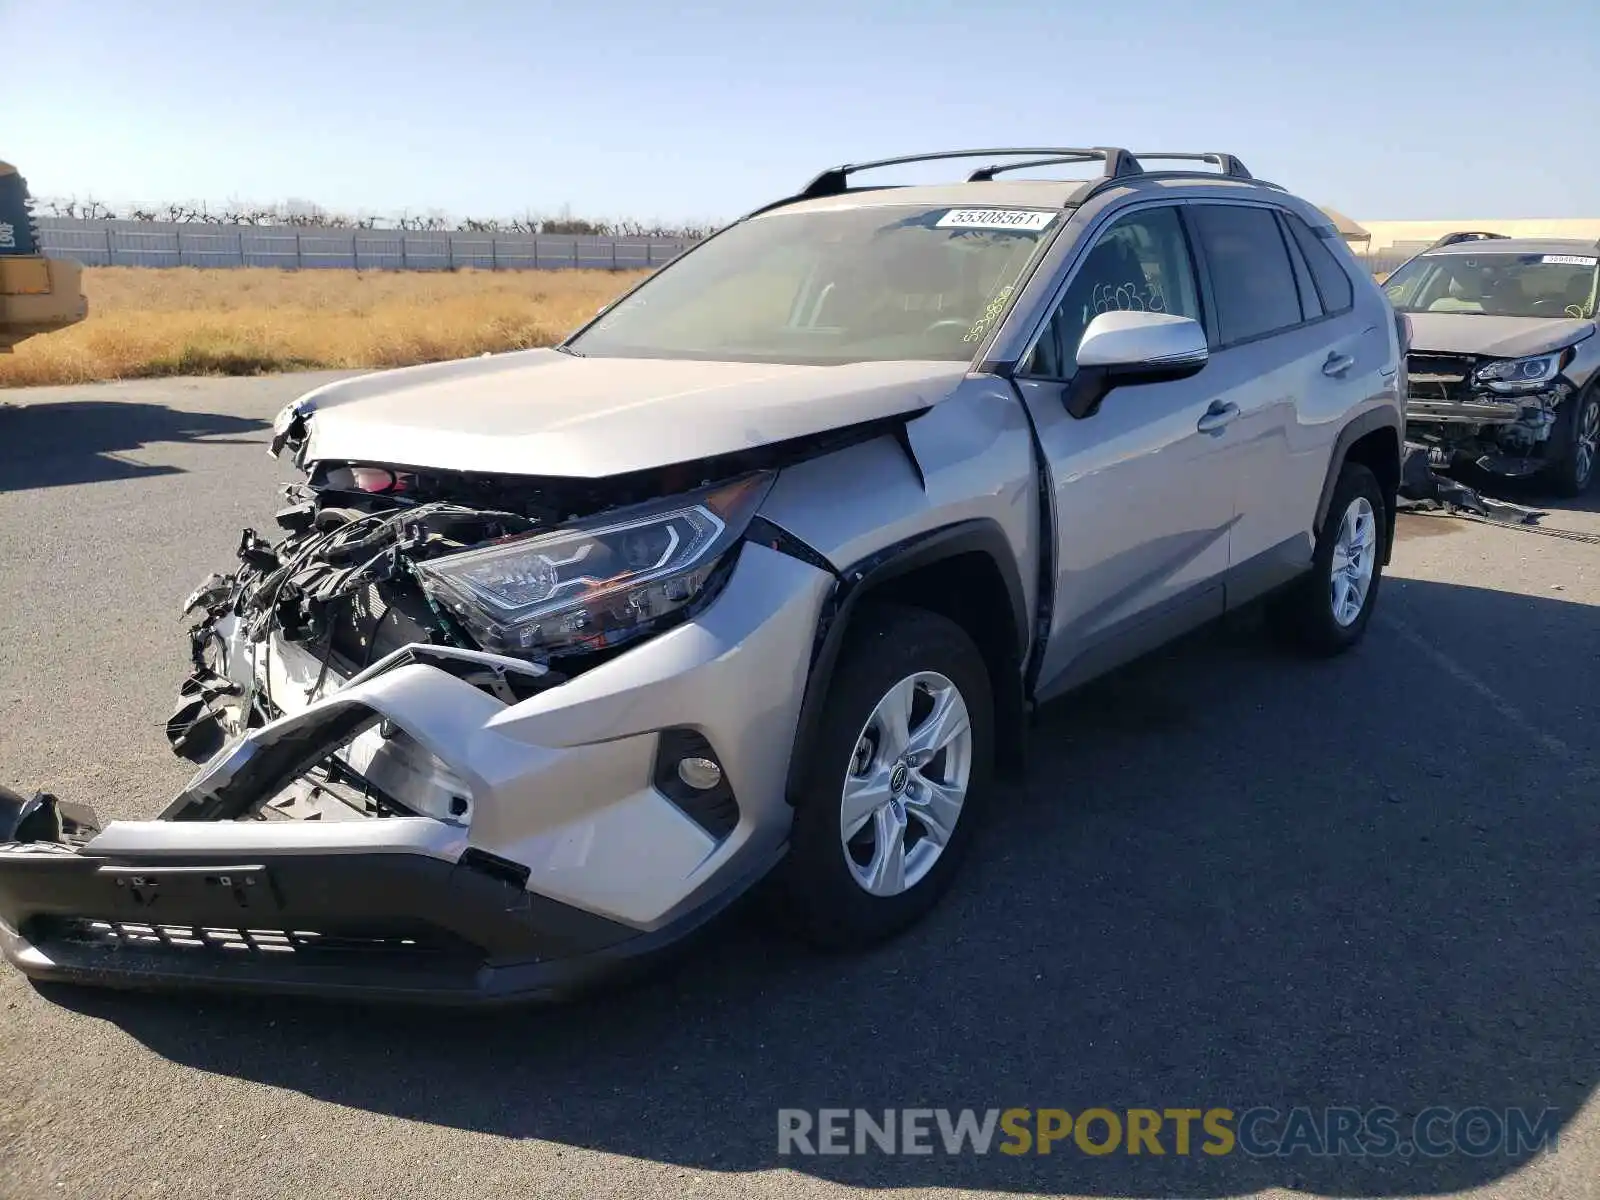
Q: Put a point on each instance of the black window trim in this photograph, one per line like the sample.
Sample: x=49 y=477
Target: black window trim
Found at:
x=1289 y=233
x=1080 y=256
x=1305 y=283
x=1199 y=250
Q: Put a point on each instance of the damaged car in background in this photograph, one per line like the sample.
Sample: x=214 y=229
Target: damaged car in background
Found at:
x=1504 y=364
x=754 y=579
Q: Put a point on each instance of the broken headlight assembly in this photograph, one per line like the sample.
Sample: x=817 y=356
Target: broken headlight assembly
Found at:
x=1514 y=375
x=598 y=583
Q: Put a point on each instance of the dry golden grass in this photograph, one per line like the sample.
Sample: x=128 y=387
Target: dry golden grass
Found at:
x=147 y=321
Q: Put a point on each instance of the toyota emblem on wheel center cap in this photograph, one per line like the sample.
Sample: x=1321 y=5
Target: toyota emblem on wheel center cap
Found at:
x=898 y=778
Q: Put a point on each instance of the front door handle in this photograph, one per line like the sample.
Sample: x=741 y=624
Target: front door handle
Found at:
x=1337 y=364
x=1218 y=417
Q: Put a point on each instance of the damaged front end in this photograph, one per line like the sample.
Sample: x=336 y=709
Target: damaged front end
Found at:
x=1496 y=414
x=340 y=591
x=520 y=582
x=398 y=794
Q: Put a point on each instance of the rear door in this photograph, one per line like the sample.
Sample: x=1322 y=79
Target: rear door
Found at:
x=1282 y=359
x=1143 y=498
x=1355 y=369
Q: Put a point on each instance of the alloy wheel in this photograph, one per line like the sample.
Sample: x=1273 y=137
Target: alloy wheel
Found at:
x=907 y=783
x=1354 y=559
x=1588 y=440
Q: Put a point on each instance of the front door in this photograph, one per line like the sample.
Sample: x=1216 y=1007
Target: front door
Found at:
x=1142 y=493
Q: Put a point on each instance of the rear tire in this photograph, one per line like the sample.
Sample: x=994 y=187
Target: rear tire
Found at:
x=1576 y=440
x=1327 y=611
x=844 y=891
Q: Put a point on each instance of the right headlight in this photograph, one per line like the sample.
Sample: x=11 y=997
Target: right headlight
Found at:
x=1512 y=375
x=598 y=583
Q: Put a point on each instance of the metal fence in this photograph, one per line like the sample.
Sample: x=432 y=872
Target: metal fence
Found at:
x=164 y=244
x=159 y=244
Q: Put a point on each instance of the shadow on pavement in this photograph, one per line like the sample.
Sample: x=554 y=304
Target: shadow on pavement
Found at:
x=1234 y=879
x=72 y=442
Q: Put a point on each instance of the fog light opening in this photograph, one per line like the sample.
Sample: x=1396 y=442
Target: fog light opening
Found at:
x=688 y=773
x=699 y=773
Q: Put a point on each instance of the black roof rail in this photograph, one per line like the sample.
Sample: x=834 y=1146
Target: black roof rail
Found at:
x=1229 y=168
x=987 y=174
x=1119 y=164
x=1227 y=164
x=1466 y=235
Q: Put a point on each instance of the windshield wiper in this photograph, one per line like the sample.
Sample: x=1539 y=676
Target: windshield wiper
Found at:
x=564 y=349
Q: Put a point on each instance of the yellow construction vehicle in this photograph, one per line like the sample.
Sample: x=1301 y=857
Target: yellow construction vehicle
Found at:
x=37 y=294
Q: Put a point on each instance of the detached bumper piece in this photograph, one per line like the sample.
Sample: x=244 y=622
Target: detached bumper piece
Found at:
x=374 y=926
x=1423 y=489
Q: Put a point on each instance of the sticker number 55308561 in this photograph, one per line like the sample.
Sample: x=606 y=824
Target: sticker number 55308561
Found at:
x=1031 y=220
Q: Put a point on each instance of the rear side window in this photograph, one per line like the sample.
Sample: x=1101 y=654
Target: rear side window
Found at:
x=1251 y=274
x=1333 y=285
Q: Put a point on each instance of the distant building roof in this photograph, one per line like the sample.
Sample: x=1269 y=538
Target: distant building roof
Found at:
x=1348 y=229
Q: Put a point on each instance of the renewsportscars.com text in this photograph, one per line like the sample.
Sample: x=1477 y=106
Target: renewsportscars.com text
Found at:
x=1257 y=1132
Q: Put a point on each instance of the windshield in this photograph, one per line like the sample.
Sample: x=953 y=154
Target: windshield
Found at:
x=870 y=284
x=1500 y=285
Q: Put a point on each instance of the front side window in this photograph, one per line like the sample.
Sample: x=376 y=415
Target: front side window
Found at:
x=1251 y=275
x=1498 y=285
x=862 y=284
x=1140 y=263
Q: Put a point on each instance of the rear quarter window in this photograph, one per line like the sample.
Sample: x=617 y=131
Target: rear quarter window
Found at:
x=1251 y=274
x=1333 y=284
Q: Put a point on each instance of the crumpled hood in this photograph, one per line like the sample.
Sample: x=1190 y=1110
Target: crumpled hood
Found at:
x=1494 y=337
x=542 y=412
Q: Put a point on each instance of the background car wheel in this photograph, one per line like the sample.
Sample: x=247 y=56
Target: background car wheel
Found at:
x=902 y=765
x=1327 y=611
x=1576 y=439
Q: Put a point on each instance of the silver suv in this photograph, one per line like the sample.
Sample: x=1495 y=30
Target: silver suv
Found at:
x=1504 y=364
x=757 y=577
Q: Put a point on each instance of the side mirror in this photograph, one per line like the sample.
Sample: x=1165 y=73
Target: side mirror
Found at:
x=1122 y=348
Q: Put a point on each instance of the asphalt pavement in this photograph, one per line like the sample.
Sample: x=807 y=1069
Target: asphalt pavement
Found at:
x=1233 y=879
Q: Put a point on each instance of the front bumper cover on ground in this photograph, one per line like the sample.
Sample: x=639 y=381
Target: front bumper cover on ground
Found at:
x=385 y=923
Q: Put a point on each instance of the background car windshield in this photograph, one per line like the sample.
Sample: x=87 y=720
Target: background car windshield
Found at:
x=847 y=285
x=1501 y=285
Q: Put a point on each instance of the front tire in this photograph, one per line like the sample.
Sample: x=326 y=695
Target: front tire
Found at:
x=1577 y=437
x=902 y=765
x=1327 y=612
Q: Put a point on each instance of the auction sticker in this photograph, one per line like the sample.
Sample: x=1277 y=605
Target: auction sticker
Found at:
x=996 y=218
x=1571 y=260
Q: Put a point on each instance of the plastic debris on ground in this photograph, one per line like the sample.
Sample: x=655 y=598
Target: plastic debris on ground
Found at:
x=1423 y=490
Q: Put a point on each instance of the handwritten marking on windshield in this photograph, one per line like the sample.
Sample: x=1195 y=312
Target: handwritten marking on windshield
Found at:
x=996 y=306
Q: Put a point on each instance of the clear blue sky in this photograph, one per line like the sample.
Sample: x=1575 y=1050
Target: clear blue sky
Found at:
x=684 y=109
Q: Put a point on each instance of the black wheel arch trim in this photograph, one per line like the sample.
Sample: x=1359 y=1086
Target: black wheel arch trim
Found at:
x=858 y=581
x=1368 y=422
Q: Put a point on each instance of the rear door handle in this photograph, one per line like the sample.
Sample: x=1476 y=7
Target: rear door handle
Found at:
x=1218 y=417
x=1337 y=364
